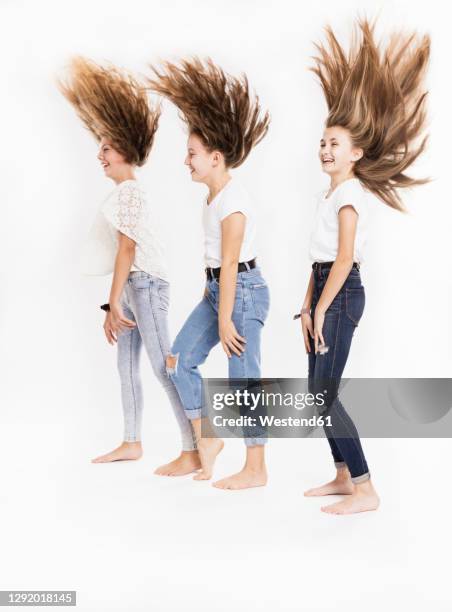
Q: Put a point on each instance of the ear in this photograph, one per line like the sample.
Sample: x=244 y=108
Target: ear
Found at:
x=217 y=158
x=357 y=154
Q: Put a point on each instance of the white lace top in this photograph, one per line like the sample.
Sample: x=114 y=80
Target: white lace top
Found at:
x=126 y=210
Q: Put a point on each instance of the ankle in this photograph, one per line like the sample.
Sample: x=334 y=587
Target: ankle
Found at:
x=255 y=468
x=343 y=474
x=365 y=488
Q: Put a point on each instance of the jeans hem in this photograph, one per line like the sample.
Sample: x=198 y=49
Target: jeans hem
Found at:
x=360 y=479
x=255 y=441
x=193 y=414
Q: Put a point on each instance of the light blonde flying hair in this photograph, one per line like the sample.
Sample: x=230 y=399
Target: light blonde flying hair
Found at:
x=378 y=96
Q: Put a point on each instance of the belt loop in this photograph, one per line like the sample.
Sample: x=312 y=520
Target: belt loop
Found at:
x=247 y=266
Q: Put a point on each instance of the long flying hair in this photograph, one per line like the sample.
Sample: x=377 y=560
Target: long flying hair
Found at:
x=112 y=104
x=378 y=96
x=216 y=106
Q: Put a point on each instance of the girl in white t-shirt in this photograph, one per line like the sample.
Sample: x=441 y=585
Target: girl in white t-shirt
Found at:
x=224 y=125
x=124 y=241
x=376 y=111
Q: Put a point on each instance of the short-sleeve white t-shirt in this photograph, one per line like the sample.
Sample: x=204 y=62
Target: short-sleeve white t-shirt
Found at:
x=325 y=235
x=126 y=210
x=232 y=198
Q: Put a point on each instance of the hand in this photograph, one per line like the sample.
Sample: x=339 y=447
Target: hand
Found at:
x=111 y=337
x=319 y=318
x=307 y=330
x=118 y=320
x=230 y=338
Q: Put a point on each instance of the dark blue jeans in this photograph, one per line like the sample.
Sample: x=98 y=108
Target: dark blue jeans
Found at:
x=325 y=370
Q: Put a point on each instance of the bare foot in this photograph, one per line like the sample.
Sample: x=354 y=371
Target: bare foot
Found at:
x=186 y=463
x=128 y=451
x=341 y=485
x=208 y=449
x=245 y=479
x=363 y=499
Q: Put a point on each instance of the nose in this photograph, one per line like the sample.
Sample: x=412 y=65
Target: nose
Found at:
x=187 y=161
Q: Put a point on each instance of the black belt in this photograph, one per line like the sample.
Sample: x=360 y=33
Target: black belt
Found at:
x=326 y=265
x=212 y=273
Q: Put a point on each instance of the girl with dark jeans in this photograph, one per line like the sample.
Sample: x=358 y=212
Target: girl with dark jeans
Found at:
x=376 y=113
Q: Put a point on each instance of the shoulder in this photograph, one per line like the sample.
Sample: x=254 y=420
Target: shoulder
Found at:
x=130 y=186
x=351 y=188
x=236 y=193
x=350 y=192
x=130 y=193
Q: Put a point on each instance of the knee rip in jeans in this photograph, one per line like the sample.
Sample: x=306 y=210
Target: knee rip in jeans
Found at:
x=171 y=363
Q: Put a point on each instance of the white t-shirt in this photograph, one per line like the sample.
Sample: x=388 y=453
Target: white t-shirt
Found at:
x=325 y=235
x=232 y=198
x=124 y=209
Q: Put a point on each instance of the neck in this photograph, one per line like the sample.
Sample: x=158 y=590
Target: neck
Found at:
x=125 y=175
x=340 y=177
x=216 y=184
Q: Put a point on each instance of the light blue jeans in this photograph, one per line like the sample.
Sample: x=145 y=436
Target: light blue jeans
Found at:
x=200 y=334
x=145 y=300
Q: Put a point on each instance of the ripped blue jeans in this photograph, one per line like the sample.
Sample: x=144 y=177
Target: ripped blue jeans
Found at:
x=199 y=335
x=325 y=370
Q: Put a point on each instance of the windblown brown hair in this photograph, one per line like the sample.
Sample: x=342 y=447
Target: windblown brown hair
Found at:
x=112 y=104
x=216 y=106
x=378 y=96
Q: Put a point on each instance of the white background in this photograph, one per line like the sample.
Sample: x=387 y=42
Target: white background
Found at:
x=123 y=538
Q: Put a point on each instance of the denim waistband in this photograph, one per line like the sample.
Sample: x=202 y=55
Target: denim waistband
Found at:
x=246 y=274
x=138 y=273
x=322 y=275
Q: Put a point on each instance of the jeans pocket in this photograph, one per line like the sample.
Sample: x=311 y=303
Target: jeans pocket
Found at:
x=163 y=292
x=355 y=299
x=260 y=296
x=140 y=282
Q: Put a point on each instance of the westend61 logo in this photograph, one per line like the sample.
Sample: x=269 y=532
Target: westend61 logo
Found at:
x=253 y=399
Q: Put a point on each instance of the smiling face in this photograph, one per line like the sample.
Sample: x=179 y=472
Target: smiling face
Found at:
x=203 y=164
x=337 y=152
x=113 y=162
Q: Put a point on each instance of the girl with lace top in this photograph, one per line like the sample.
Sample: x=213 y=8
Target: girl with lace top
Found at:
x=124 y=241
x=376 y=114
x=224 y=124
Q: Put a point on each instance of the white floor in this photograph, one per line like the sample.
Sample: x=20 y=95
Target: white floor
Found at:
x=125 y=539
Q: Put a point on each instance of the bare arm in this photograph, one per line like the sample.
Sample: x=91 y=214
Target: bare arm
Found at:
x=115 y=319
x=124 y=259
x=306 y=319
x=232 y=232
x=309 y=292
x=348 y=219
